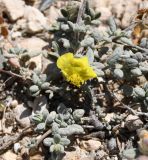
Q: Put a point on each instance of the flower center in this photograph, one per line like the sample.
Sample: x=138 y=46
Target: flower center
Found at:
x=76 y=80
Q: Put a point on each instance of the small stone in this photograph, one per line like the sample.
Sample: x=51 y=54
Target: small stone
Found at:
x=133 y=123
x=109 y=116
x=36 y=21
x=112 y=145
x=9 y=155
x=20 y=25
x=77 y=154
x=142 y=158
x=14 y=103
x=8 y=130
x=105 y=13
x=53 y=14
x=17 y=147
x=126 y=19
x=96 y=122
x=100 y=154
x=16 y=35
x=97 y=4
x=141 y=80
x=14 y=62
x=130 y=153
x=34 y=45
x=22 y=114
x=91 y=145
x=14 y=9
x=40 y=104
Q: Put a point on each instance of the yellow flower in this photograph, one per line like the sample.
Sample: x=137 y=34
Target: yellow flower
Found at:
x=75 y=70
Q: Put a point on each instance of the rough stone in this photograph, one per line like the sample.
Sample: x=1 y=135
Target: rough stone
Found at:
x=91 y=145
x=109 y=116
x=14 y=103
x=105 y=13
x=53 y=14
x=22 y=114
x=118 y=8
x=35 y=20
x=142 y=157
x=16 y=35
x=14 y=9
x=78 y=154
x=112 y=145
x=133 y=123
x=40 y=104
x=100 y=154
x=9 y=155
x=34 y=44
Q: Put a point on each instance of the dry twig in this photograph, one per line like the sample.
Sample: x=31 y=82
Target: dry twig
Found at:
x=81 y=12
x=11 y=73
x=43 y=137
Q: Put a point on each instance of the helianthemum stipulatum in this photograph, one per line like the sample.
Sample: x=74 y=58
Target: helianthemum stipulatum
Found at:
x=75 y=70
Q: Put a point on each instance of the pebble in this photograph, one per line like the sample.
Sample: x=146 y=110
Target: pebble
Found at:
x=33 y=44
x=112 y=145
x=15 y=35
x=133 y=123
x=14 y=103
x=109 y=117
x=40 y=104
x=96 y=123
x=101 y=154
x=13 y=8
x=9 y=155
x=142 y=158
x=91 y=145
x=36 y=21
x=77 y=154
x=105 y=13
x=53 y=14
x=17 y=147
x=22 y=114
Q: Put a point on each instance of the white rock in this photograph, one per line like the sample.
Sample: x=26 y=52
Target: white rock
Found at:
x=22 y=114
x=13 y=8
x=105 y=13
x=91 y=145
x=109 y=116
x=20 y=24
x=53 y=15
x=142 y=157
x=77 y=154
x=36 y=21
x=16 y=35
x=14 y=103
x=8 y=155
x=101 y=154
x=16 y=147
x=98 y=3
x=34 y=44
x=40 y=104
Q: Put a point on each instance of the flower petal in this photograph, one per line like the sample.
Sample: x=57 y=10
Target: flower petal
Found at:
x=64 y=61
x=75 y=70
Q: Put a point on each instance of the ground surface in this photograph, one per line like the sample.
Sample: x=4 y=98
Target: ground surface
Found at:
x=28 y=28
